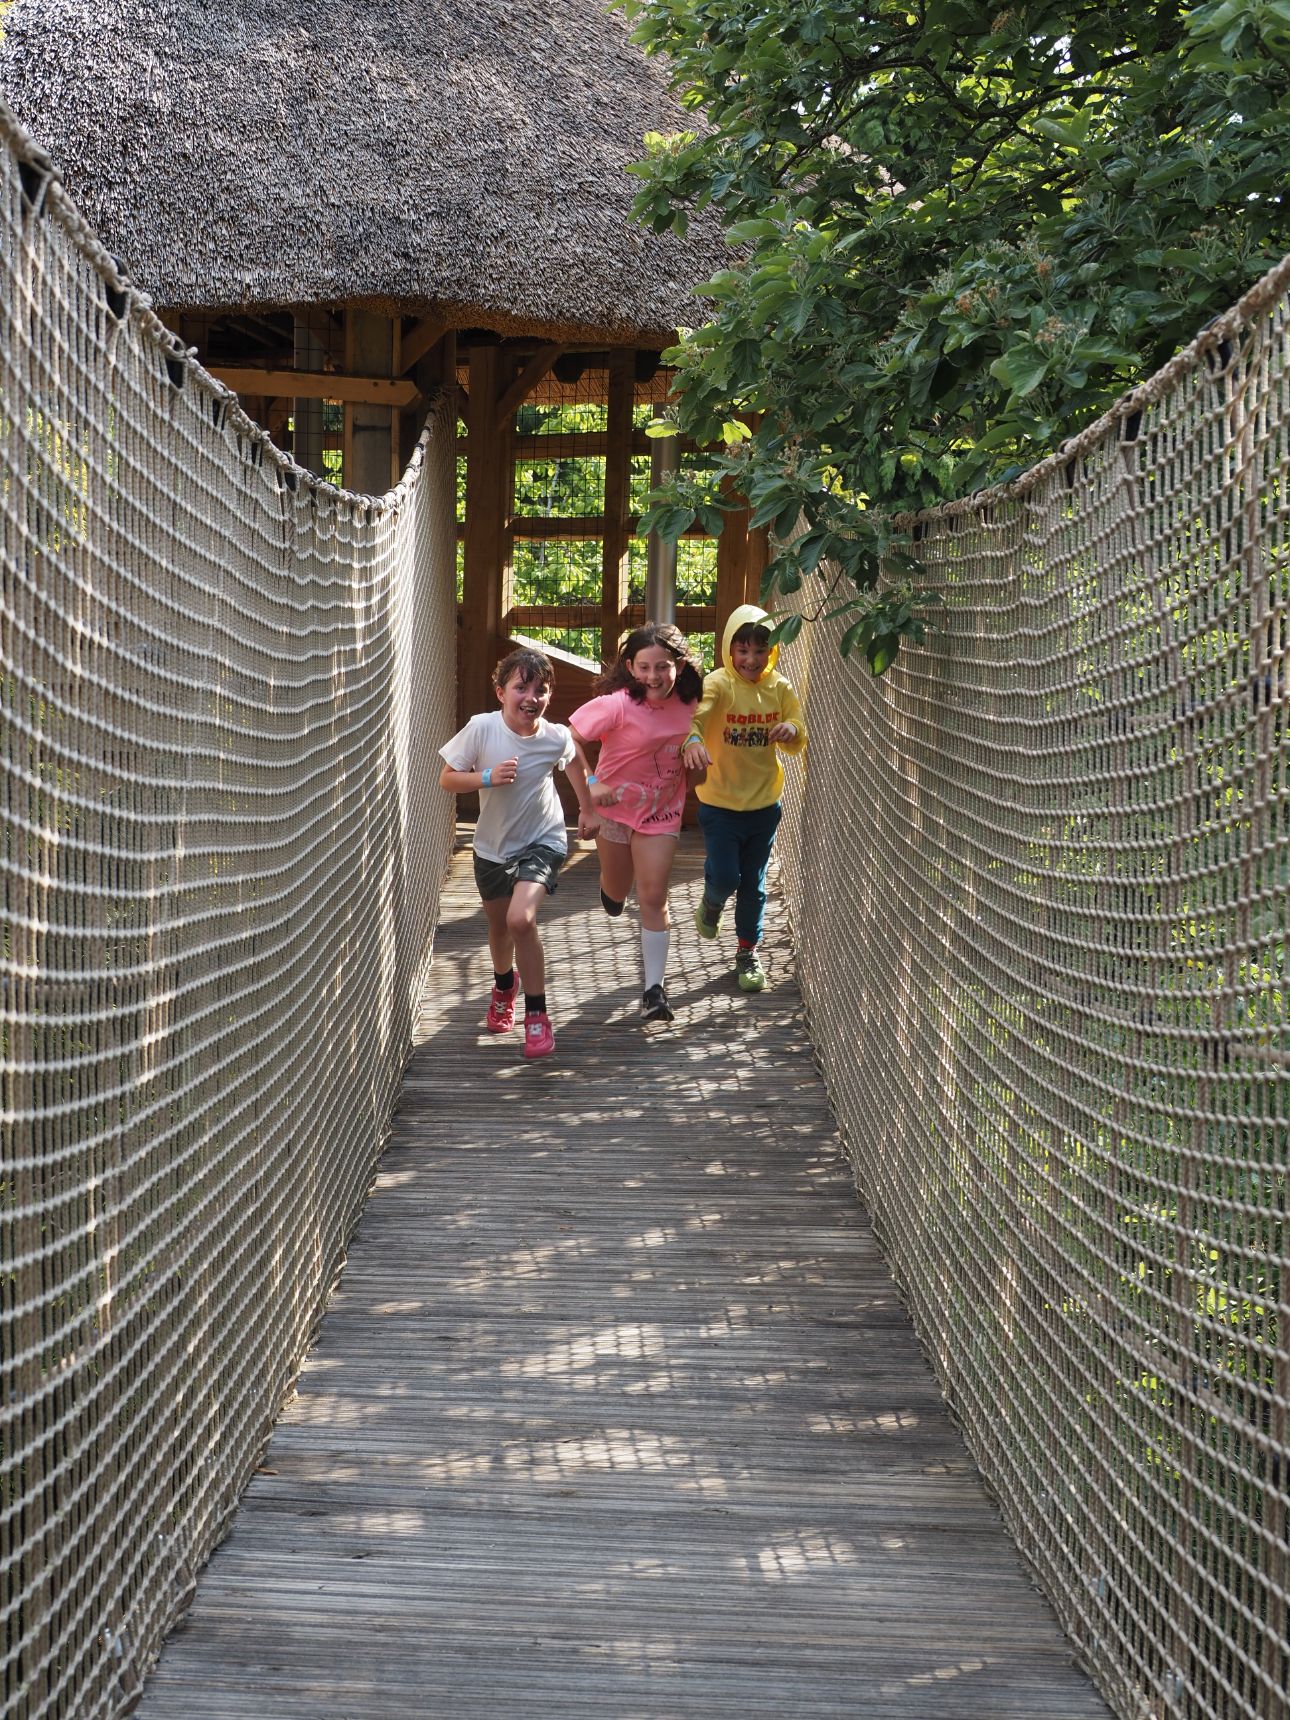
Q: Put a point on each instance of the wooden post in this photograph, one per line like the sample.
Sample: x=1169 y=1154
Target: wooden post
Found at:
x=618 y=457
x=433 y=370
x=307 y=415
x=371 y=444
x=485 y=557
x=660 y=576
x=741 y=560
x=732 y=571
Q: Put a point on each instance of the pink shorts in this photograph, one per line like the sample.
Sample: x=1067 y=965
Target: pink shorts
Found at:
x=613 y=831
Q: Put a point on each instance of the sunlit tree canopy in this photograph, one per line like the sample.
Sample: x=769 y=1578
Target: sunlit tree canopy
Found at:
x=958 y=233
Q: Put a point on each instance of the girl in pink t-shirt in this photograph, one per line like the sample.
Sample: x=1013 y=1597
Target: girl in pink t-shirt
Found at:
x=640 y=719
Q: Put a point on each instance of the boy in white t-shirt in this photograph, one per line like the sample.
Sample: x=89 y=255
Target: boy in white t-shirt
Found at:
x=510 y=755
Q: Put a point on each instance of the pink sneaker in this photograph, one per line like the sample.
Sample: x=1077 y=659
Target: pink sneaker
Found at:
x=539 y=1041
x=501 y=1011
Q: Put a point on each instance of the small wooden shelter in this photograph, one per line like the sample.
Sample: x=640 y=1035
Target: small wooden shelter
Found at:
x=347 y=209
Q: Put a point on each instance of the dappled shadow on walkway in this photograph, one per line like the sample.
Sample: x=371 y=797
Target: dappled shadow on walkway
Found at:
x=616 y=1411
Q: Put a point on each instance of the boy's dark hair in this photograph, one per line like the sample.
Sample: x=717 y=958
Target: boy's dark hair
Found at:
x=751 y=633
x=689 y=671
x=531 y=665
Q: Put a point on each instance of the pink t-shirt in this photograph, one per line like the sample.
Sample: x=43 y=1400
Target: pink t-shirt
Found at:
x=640 y=757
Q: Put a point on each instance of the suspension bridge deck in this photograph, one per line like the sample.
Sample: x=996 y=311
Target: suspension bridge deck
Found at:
x=615 y=1411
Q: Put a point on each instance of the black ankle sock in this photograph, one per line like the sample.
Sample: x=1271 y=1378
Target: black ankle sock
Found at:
x=505 y=981
x=612 y=908
x=535 y=1003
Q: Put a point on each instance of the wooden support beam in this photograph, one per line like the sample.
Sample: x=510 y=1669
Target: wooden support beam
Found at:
x=618 y=473
x=690 y=617
x=418 y=341
x=371 y=446
x=527 y=380
x=486 y=541
x=575 y=526
x=316 y=385
x=585 y=445
x=741 y=558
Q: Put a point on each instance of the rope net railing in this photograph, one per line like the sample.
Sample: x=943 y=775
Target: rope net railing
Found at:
x=223 y=683
x=1054 y=1011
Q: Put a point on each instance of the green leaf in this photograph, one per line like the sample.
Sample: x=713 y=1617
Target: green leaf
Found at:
x=882 y=653
x=748 y=232
x=859 y=633
x=1027 y=368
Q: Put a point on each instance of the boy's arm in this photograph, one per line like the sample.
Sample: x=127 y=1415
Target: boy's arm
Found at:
x=467 y=781
x=694 y=750
x=789 y=734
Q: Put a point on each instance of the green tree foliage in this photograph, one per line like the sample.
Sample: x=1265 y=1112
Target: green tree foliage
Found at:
x=960 y=232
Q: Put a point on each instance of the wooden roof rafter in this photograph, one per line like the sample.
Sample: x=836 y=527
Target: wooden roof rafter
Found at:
x=418 y=340
x=534 y=372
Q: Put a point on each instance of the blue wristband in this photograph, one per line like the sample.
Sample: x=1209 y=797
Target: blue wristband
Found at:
x=591 y=779
x=487 y=776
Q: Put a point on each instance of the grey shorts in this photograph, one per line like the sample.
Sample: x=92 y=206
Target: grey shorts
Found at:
x=613 y=831
x=535 y=865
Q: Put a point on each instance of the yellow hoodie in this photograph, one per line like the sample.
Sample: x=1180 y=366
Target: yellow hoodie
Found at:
x=733 y=719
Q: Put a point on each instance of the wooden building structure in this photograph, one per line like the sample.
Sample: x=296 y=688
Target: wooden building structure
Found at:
x=346 y=211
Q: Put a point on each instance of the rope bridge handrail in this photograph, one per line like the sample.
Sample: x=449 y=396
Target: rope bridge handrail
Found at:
x=1055 y=1016
x=222 y=686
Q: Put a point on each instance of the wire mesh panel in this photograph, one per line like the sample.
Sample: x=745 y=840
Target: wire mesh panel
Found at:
x=1038 y=878
x=223 y=839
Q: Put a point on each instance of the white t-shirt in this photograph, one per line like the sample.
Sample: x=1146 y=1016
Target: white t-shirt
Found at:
x=514 y=816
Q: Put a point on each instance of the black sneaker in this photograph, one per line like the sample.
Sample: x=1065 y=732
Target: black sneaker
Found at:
x=655 y=1006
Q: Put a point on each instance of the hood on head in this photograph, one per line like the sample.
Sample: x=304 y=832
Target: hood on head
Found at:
x=740 y=617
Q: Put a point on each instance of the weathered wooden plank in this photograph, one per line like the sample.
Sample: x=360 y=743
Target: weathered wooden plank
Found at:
x=616 y=1411
x=316 y=385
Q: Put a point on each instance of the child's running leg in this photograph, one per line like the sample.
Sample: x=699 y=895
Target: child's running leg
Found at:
x=521 y=922
x=721 y=848
x=616 y=873
x=652 y=858
x=758 y=838
x=501 y=947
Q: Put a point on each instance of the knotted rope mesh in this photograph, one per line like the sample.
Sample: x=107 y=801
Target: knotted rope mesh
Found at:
x=1038 y=884
x=223 y=685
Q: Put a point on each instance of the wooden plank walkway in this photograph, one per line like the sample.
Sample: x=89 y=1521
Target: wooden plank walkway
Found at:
x=615 y=1412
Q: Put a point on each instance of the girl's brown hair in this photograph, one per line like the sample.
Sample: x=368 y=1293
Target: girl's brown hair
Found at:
x=689 y=670
x=531 y=665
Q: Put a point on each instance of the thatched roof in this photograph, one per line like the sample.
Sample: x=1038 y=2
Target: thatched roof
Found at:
x=460 y=156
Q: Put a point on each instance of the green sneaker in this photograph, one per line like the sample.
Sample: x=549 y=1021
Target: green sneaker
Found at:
x=749 y=971
x=707 y=919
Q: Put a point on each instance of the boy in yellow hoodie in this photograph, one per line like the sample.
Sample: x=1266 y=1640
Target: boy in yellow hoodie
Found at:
x=748 y=714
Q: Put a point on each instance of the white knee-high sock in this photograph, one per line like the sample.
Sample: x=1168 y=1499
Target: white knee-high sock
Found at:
x=654 y=947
